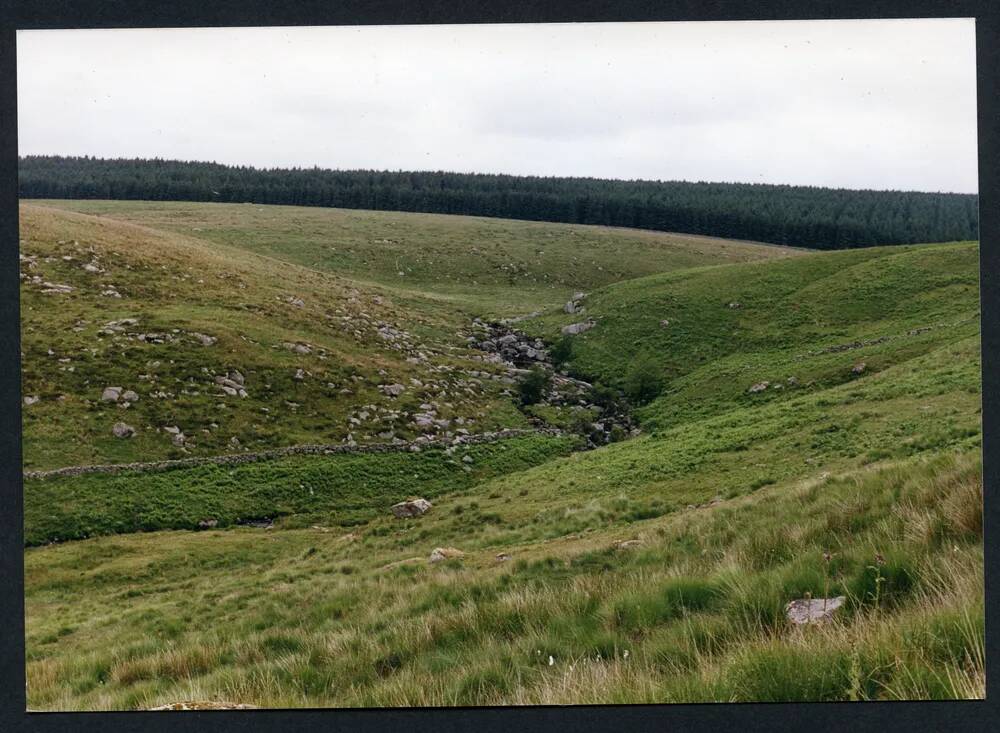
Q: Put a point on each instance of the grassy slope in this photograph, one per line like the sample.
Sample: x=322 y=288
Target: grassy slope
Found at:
x=310 y=617
x=735 y=497
x=910 y=299
x=339 y=489
x=482 y=265
x=190 y=283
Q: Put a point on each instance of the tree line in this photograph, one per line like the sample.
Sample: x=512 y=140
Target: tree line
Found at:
x=802 y=216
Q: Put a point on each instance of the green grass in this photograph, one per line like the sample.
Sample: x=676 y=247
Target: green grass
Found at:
x=341 y=489
x=482 y=265
x=911 y=300
x=867 y=485
x=689 y=615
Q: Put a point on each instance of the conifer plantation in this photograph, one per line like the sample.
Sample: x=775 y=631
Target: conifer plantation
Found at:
x=799 y=216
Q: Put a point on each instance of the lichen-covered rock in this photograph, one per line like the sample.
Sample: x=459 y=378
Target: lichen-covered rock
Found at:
x=445 y=553
x=627 y=544
x=813 y=610
x=576 y=328
x=411 y=508
x=111 y=394
x=122 y=430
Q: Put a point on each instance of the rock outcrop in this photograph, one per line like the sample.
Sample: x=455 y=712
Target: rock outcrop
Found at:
x=813 y=610
x=577 y=328
x=445 y=553
x=411 y=508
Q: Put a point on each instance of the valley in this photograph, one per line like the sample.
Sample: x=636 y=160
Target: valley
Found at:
x=639 y=447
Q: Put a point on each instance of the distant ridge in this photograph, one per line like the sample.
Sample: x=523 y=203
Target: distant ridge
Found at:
x=803 y=216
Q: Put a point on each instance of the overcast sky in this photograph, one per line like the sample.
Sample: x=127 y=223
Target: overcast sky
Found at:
x=858 y=104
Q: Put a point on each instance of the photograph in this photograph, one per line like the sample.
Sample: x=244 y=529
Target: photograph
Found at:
x=510 y=364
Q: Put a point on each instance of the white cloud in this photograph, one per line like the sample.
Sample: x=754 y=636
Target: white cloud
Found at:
x=872 y=104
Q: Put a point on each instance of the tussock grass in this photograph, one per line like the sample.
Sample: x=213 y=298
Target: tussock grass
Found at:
x=663 y=624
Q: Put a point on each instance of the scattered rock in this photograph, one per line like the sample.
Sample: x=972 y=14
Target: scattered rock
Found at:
x=230 y=383
x=664 y=323
x=759 y=387
x=627 y=544
x=111 y=394
x=122 y=430
x=297 y=348
x=577 y=328
x=299 y=375
x=130 y=396
x=393 y=390
x=467 y=459
x=30 y=400
x=297 y=302
x=813 y=610
x=445 y=553
x=859 y=368
x=120 y=325
x=56 y=288
x=204 y=339
x=208 y=523
x=178 y=439
x=411 y=508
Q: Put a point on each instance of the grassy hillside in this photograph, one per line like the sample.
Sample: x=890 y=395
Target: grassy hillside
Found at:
x=865 y=483
x=800 y=325
x=179 y=288
x=485 y=266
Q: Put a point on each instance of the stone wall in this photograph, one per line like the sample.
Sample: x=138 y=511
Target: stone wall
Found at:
x=267 y=455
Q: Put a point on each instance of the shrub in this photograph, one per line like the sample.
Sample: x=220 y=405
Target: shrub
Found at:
x=604 y=397
x=534 y=386
x=562 y=350
x=644 y=380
